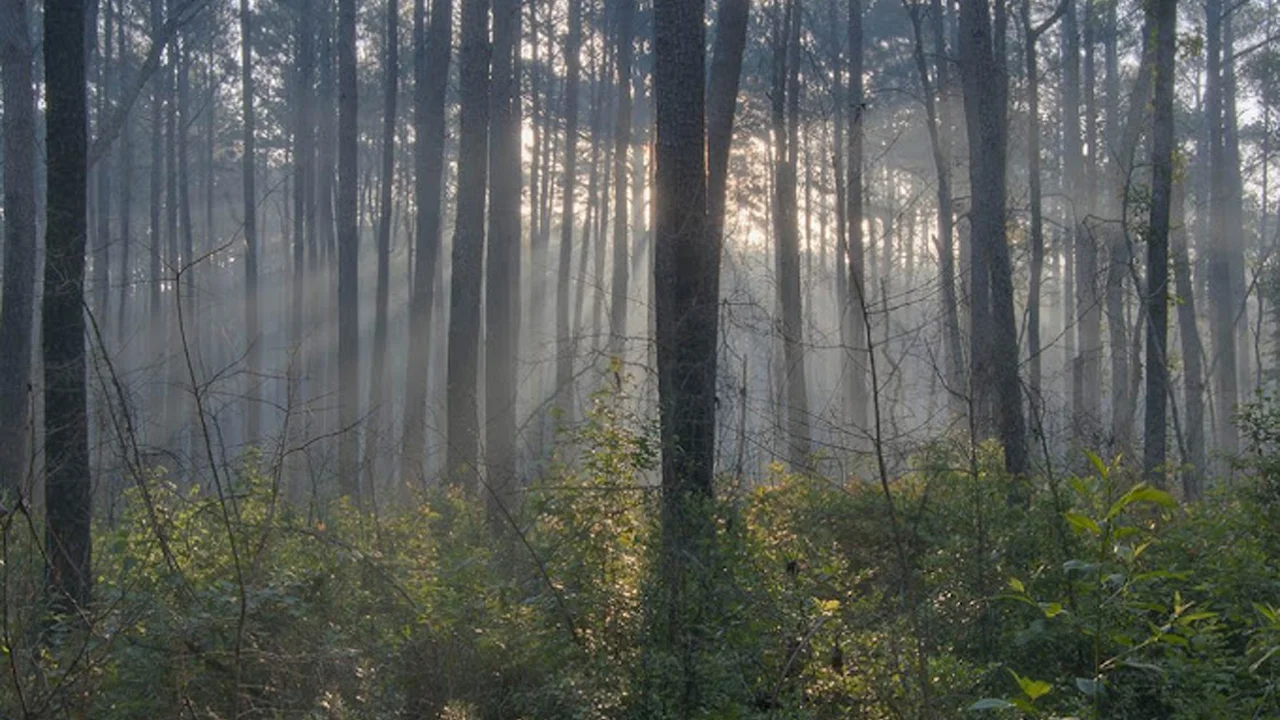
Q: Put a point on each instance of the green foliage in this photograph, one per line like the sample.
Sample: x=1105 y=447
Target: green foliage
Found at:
x=1097 y=597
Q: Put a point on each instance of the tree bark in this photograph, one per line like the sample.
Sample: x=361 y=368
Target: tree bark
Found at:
x=785 y=105
x=564 y=331
x=1163 y=15
x=621 y=144
x=431 y=51
x=468 y=246
x=348 y=240
x=378 y=366
x=854 y=315
x=248 y=159
x=17 y=305
x=68 y=497
x=502 y=282
x=984 y=103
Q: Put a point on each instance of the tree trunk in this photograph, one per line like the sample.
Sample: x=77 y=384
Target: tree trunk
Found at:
x=373 y=440
x=939 y=128
x=984 y=103
x=126 y=197
x=621 y=144
x=468 y=246
x=68 y=496
x=1192 y=350
x=1087 y=375
x=431 y=74
x=1221 y=299
x=686 y=276
x=1032 y=34
x=785 y=95
x=155 y=318
x=855 y=314
x=564 y=331
x=251 y=312
x=17 y=304
x=1163 y=16
x=102 y=236
x=348 y=242
x=502 y=284
x=721 y=102
x=303 y=231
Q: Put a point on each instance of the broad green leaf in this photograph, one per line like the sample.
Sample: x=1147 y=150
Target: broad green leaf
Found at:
x=1017 y=585
x=991 y=704
x=1031 y=688
x=1101 y=467
x=1083 y=523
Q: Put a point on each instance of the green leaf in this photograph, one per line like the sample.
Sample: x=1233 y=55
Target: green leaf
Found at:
x=1017 y=585
x=1032 y=688
x=1052 y=609
x=1101 y=467
x=1083 y=523
x=1142 y=493
x=991 y=704
x=1088 y=686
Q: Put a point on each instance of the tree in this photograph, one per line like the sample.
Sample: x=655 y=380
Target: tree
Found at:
x=622 y=140
x=939 y=126
x=502 y=283
x=786 y=89
x=68 y=497
x=247 y=160
x=378 y=366
x=564 y=333
x=431 y=75
x=994 y=333
x=468 y=245
x=348 y=255
x=1164 y=17
x=304 y=204
x=1032 y=33
x=17 y=304
x=855 y=315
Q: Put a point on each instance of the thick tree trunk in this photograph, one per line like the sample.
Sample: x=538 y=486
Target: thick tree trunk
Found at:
x=984 y=103
x=373 y=442
x=1221 y=298
x=686 y=277
x=1087 y=375
x=785 y=96
x=468 y=246
x=1164 y=17
x=348 y=257
x=721 y=102
x=430 y=78
x=502 y=282
x=68 y=496
x=17 y=304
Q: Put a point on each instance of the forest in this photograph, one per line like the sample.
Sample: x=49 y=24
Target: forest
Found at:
x=640 y=359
